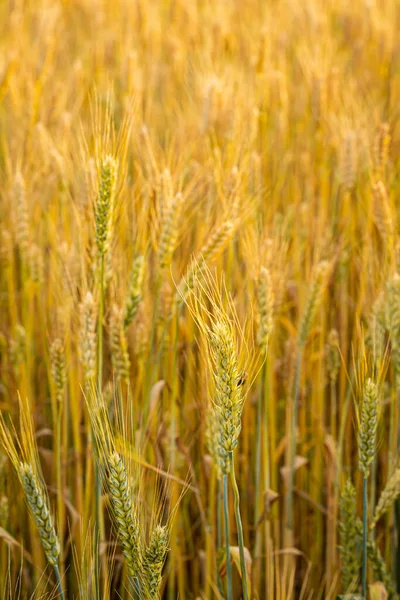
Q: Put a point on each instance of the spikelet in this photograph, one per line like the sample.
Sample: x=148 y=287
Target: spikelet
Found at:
x=123 y=513
x=21 y=216
x=393 y=313
x=314 y=296
x=169 y=233
x=350 y=538
x=382 y=150
x=135 y=290
x=332 y=355
x=58 y=369
x=349 y=161
x=382 y=213
x=265 y=297
x=104 y=209
x=87 y=336
x=38 y=505
x=228 y=394
x=35 y=263
x=388 y=497
x=17 y=346
x=379 y=567
x=368 y=425
x=154 y=558
x=119 y=345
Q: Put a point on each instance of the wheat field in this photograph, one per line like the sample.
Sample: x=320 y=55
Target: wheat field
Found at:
x=199 y=299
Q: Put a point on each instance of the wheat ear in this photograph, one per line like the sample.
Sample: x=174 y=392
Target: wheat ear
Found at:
x=265 y=297
x=350 y=538
x=123 y=513
x=379 y=567
x=153 y=561
x=119 y=345
x=104 y=208
x=135 y=290
x=387 y=498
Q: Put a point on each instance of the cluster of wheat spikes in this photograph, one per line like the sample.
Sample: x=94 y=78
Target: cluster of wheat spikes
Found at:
x=199 y=299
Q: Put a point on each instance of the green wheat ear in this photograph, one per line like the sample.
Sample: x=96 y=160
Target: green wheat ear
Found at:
x=37 y=502
x=228 y=394
x=368 y=427
x=379 y=567
x=388 y=496
x=154 y=559
x=350 y=538
x=104 y=208
x=123 y=513
x=135 y=290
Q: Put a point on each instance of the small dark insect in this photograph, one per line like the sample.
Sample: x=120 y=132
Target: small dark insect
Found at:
x=241 y=380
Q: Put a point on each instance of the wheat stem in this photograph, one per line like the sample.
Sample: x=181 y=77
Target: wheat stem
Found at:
x=227 y=546
x=239 y=528
x=365 y=536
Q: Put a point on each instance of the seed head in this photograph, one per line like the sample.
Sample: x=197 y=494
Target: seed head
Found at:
x=313 y=300
x=154 y=559
x=350 y=538
x=135 y=290
x=265 y=297
x=119 y=345
x=37 y=501
x=87 y=336
x=228 y=399
x=368 y=427
x=58 y=369
x=124 y=514
x=104 y=209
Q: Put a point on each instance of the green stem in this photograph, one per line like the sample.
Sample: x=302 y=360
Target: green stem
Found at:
x=97 y=482
x=365 y=536
x=219 y=530
x=292 y=452
x=58 y=578
x=228 y=552
x=239 y=528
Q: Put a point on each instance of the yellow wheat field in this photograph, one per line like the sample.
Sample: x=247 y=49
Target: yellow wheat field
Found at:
x=199 y=299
